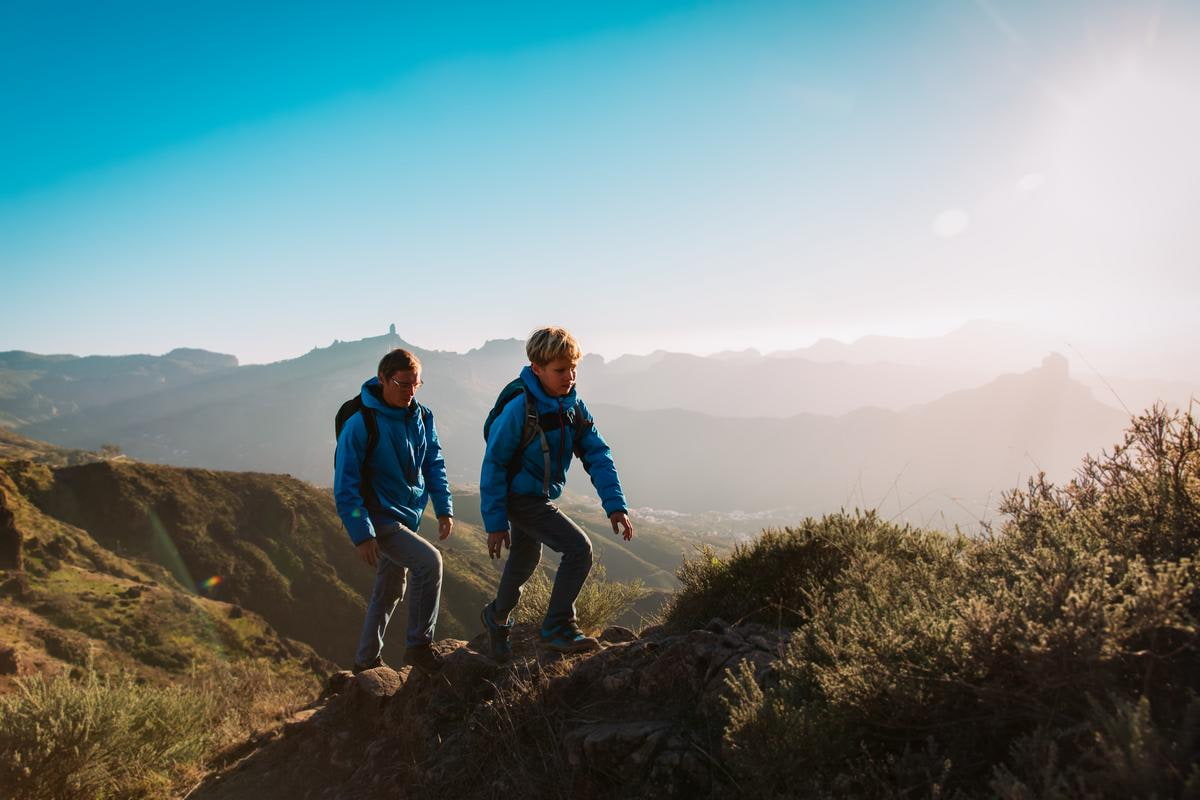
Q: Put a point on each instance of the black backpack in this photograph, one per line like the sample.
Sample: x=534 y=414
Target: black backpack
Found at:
x=535 y=427
x=355 y=406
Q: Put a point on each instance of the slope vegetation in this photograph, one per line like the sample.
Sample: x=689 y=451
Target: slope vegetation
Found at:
x=1057 y=657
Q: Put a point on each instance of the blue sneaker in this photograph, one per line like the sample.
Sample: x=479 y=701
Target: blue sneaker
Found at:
x=497 y=633
x=567 y=638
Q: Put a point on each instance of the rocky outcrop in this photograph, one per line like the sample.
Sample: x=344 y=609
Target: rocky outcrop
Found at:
x=642 y=717
x=10 y=537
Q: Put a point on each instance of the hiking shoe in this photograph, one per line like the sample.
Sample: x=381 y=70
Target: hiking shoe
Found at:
x=424 y=658
x=378 y=662
x=567 y=638
x=497 y=633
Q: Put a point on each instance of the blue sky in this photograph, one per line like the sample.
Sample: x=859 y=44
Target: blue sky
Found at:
x=261 y=179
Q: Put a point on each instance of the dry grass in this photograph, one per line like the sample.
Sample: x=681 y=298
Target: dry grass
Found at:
x=600 y=603
x=111 y=737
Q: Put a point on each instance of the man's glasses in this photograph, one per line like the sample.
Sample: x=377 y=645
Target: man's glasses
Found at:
x=405 y=386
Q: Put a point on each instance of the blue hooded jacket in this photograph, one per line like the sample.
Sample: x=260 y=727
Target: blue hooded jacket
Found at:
x=505 y=436
x=407 y=446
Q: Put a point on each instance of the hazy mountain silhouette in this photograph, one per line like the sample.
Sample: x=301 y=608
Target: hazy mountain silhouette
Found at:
x=707 y=454
x=36 y=387
x=962 y=447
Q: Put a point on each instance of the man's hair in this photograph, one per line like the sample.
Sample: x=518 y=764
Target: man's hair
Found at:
x=399 y=360
x=546 y=344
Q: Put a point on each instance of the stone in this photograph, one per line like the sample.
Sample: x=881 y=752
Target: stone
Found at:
x=338 y=682
x=608 y=746
x=615 y=634
x=379 y=682
x=10 y=664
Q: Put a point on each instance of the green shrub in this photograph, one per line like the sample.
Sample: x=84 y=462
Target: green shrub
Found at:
x=776 y=578
x=1054 y=658
x=115 y=738
x=599 y=604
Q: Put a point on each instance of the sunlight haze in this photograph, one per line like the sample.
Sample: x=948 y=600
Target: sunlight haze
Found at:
x=695 y=177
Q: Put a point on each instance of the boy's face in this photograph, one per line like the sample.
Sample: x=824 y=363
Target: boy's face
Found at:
x=400 y=386
x=557 y=376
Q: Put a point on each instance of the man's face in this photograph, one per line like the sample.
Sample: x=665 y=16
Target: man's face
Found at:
x=400 y=386
x=557 y=377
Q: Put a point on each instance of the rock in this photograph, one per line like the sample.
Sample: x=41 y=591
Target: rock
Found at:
x=132 y=592
x=337 y=683
x=296 y=722
x=618 y=682
x=654 y=631
x=10 y=664
x=614 y=746
x=236 y=612
x=762 y=644
x=379 y=682
x=615 y=634
x=16 y=586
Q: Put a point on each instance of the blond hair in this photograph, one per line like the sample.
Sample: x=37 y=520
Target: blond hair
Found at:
x=546 y=344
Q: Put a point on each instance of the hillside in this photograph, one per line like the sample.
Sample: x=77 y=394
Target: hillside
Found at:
x=67 y=603
x=272 y=544
x=641 y=718
x=1058 y=658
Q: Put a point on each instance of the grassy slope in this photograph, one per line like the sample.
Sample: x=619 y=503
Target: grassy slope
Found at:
x=81 y=603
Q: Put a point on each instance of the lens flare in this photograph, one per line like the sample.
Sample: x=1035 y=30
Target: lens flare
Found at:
x=208 y=584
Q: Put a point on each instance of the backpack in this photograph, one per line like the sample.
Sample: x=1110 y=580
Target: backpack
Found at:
x=535 y=427
x=355 y=406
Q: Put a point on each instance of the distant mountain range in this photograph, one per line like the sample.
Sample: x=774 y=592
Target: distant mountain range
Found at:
x=924 y=434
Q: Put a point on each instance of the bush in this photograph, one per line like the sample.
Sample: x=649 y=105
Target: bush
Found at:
x=115 y=738
x=599 y=604
x=776 y=578
x=1056 y=657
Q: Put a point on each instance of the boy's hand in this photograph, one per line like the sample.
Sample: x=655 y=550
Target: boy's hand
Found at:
x=445 y=527
x=621 y=524
x=368 y=551
x=496 y=541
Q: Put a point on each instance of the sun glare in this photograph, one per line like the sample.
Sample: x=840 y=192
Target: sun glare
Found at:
x=1123 y=148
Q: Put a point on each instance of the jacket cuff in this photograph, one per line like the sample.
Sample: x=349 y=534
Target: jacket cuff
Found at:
x=360 y=529
x=495 y=525
x=613 y=506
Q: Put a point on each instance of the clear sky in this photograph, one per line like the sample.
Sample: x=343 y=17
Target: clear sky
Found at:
x=260 y=179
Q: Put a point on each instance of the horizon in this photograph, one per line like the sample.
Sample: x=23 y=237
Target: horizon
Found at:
x=694 y=177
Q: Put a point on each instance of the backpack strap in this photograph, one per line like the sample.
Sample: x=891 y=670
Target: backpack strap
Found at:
x=530 y=430
x=581 y=425
x=370 y=499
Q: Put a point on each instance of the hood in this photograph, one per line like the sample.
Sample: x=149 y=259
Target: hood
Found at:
x=545 y=402
x=372 y=397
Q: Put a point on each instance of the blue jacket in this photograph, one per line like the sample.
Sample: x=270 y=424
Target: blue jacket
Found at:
x=504 y=438
x=406 y=446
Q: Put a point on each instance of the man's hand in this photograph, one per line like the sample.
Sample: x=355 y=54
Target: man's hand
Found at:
x=621 y=524
x=368 y=551
x=496 y=541
x=445 y=527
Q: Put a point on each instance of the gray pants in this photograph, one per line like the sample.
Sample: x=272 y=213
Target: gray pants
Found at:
x=536 y=521
x=400 y=548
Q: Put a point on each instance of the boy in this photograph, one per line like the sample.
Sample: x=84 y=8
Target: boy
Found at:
x=380 y=497
x=524 y=469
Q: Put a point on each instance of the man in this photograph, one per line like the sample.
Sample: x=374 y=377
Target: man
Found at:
x=524 y=470
x=380 y=497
